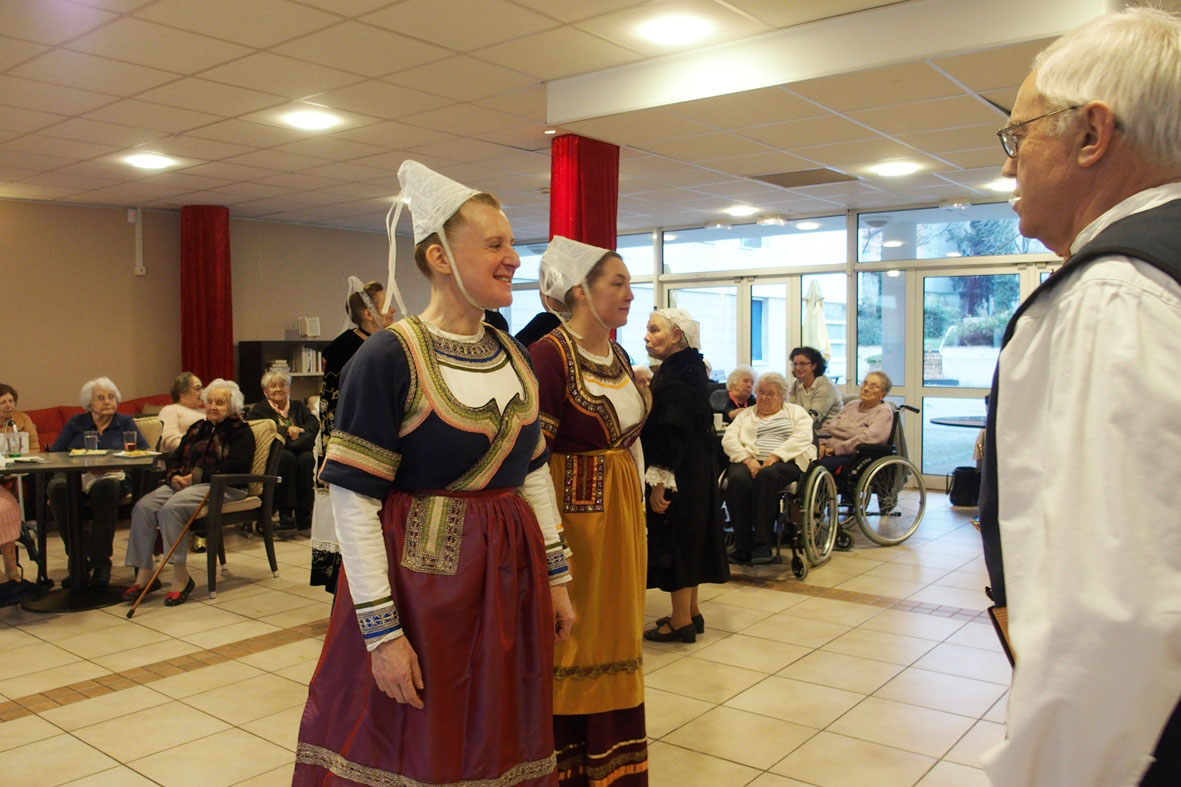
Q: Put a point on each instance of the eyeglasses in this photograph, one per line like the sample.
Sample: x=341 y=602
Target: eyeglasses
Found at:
x=1009 y=137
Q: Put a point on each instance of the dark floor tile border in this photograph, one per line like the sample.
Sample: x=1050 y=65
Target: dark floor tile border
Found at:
x=867 y=599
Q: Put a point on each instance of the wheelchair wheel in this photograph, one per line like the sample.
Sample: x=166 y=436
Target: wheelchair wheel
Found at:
x=889 y=500
x=799 y=568
x=844 y=541
x=819 y=521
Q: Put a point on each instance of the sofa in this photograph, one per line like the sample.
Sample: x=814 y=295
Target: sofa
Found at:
x=51 y=420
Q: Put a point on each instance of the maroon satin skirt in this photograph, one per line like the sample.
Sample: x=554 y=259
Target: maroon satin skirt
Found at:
x=485 y=640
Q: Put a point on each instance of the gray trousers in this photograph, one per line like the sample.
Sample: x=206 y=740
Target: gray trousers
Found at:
x=167 y=509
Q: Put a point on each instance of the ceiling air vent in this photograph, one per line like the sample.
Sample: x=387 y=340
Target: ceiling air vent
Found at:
x=804 y=177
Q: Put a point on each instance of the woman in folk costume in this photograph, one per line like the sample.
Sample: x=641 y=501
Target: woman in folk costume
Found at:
x=591 y=414
x=436 y=665
x=365 y=304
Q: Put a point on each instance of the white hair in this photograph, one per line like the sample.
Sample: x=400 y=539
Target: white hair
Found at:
x=98 y=382
x=237 y=400
x=272 y=374
x=740 y=371
x=1131 y=61
x=776 y=379
x=887 y=383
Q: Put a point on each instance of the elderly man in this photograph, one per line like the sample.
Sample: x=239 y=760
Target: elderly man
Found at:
x=1083 y=449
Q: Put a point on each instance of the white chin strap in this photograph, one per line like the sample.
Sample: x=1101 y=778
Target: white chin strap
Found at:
x=563 y=317
x=391 y=222
x=455 y=269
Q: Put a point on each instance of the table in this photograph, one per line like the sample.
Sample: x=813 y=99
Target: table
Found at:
x=80 y=596
x=969 y=421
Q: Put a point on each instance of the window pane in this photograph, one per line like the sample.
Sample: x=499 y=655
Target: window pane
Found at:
x=638 y=254
x=631 y=336
x=830 y=287
x=881 y=324
x=530 y=261
x=768 y=319
x=526 y=305
x=948 y=447
x=748 y=246
x=934 y=233
x=716 y=308
x=964 y=318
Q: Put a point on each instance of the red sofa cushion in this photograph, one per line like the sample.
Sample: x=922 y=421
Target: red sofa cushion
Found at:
x=50 y=420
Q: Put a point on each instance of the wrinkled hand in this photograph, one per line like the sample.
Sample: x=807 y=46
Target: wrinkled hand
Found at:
x=658 y=500
x=563 y=612
x=770 y=460
x=293 y=432
x=752 y=465
x=395 y=668
x=824 y=451
x=180 y=482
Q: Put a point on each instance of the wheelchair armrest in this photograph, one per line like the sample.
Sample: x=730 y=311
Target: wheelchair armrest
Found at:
x=872 y=449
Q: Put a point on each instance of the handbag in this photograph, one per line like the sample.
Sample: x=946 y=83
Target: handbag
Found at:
x=963 y=486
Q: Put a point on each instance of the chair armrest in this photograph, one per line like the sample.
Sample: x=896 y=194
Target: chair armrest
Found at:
x=222 y=480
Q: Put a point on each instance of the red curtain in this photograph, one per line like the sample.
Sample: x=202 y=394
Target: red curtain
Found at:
x=584 y=190
x=206 y=303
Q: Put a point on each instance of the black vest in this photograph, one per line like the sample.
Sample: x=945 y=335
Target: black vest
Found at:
x=1153 y=236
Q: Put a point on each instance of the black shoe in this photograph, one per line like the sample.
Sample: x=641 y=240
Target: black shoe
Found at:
x=683 y=634
x=739 y=557
x=101 y=578
x=698 y=622
x=286 y=521
x=132 y=593
x=68 y=582
x=761 y=556
x=176 y=599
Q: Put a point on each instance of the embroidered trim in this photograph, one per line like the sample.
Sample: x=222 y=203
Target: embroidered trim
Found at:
x=309 y=754
x=576 y=762
x=598 y=670
x=583 y=489
x=549 y=425
x=469 y=355
x=367 y=457
x=555 y=562
x=377 y=618
x=325 y=546
x=434 y=532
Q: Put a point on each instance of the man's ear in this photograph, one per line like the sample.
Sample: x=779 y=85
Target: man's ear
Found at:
x=1097 y=133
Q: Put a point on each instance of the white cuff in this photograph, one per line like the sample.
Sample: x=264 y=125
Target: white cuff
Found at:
x=658 y=475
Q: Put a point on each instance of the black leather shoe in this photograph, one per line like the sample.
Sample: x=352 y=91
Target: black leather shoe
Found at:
x=176 y=599
x=739 y=557
x=683 y=634
x=132 y=593
x=101 y=578
x=698 y=622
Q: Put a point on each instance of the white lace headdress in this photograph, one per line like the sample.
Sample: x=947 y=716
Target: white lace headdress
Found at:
x=683 y=320
x=565 y=265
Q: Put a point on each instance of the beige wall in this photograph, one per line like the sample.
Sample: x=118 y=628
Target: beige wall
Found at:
x=73 y=309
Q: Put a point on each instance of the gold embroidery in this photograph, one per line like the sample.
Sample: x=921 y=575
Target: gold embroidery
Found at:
x=583 y=492
x=308 y=754
x=578 y=368
x=598 y=670
x=434 y=533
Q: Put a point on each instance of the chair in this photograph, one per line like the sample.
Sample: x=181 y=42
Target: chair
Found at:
x=257 y=505
x=151 y=427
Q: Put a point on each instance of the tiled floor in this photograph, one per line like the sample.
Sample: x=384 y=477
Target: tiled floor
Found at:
x=878 y=670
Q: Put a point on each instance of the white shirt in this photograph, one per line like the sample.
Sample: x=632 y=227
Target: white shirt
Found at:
x=1089 y=450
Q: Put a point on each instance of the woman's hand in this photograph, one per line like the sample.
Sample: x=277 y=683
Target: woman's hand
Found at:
x=563 y=612
x=823 y=451
x=179 y=482
x=294 y=432
x=395 y=668
x=657 y=499
x=753 y=465
x=770 y=460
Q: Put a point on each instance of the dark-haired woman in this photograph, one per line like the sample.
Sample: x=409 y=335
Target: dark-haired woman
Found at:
x=811 y=390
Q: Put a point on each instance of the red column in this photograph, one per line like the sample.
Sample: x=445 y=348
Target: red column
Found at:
x=584 y=190
x=206 y=302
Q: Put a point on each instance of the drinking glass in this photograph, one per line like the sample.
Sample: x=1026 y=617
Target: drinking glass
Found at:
x=130 y=441
x=91 y=440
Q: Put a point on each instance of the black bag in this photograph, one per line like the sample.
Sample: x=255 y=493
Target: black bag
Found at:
x=963 y=486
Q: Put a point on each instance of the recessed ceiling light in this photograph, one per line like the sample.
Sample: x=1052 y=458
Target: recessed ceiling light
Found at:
x=150 y=161
x=310 y=119
x=772 y=221
x=807 y=225
x=953 y=254
x=674 y=29
x=892 y=244
x=893 y=274
x=1003 y=185
x=670 y=236
x=550 y=131
x=894 y=169
x=720 y=224
x=741 y=210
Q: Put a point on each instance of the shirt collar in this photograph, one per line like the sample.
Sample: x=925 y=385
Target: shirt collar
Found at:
x=1138 y=202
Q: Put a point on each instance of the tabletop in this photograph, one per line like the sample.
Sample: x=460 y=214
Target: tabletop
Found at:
x=60 y=461
x=970 y=421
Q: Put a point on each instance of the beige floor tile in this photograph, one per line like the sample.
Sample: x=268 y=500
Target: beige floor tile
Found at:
x=963 y=661
x=111 y=640
x=851 y=563
x=285 y=655
x=762 y=599
x=156 y=730
x=863 y=549
x=711 y=636
x=977 y=635
x=771 y=780
x=796 y=701
x=795 y=631
x=189 y=619
x=673 y=766
x=828 y=610
x=108 y=706
x=280 y=777
x=704 y=680
x=198 y=680
x=308 y=613
x=908 y=572
x=881 y=586
x=52 y=628
x=832 y=760
x=869 y=644
x=115 y=777
x=300 y=673
x=952 y=597
x=999 y=712
x=747 y=738
x=825 y=577
x=654 y=659
x=227 y=634
x=761 y=655
x=239 y=756
x=943 y=692
x=727 y=617
x=920 y=730
x=53 y=761
x=311 y=593
x=929 y=559
x=250 y=699
x=148 y=654
x=281 y=728
x=839 y=671
x=982 y=737
x=51 y=678
x=665 y=711
x=258 y=605
x=965 y=580
x=25 y=730
x=34 y=657
x=912 y=624
x=231 y=588
x=948 y=774
x=13 y=637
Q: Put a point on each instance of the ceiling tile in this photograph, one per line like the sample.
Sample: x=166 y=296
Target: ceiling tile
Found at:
x=875 y=149
x=299 y=181
x=195 y=147
x=257 y=23
x=877 y=87
x=389 y=134
x=380 y=99
x=748 y=108
x=992 y=69
x=528 y=164
x=975 y=175
x=780 y=14
x=276 y=160
x=30 y=191
x=331 y=148
x=108 y=133
x=28 y=94
x=128 y=194
x=528 y=103
x=452 y=24
x=929 y=115
x=26 y=120
x=253 y=190
x=147 y=44
x=462 y=78
x=280 y=75
x=1002 y=98
x=742 y=188
x=242 y=132
x=392 y=160
x=705 y=146
x=355 y=189
x=557 y=53
x=633 y=128
x=71 y=181
x=620 y=26
x=49 y=21
x=692 y=178
x=575 y=10
x=349 y=8
x=186 y=181
x=362 y=49
x=650 y=166
x=76 y=69
x=152 y=116
x=758 y=164
x=949 y=139
x=462 y=150
x=13 y=51
x=118 y=6
x=212 y=197
x=53 y=146
x=214 y=97
x=469 y=119
x=13 y=158
x=347 y=172
x=976 y=158
x=531 y=137
x=812 y=131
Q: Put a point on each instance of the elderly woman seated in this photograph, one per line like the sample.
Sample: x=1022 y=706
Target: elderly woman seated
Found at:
x=867 y=420
x=185 y=410
x=222 y=443
x=769 y=446
x=297 y=429
x=737 y=395
x=99 y=397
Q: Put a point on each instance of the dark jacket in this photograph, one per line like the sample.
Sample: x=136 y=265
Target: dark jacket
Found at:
x=71 y=435
x=209 y=449
x=298 y=415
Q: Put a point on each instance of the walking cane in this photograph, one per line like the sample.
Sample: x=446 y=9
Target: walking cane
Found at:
x=164 y=562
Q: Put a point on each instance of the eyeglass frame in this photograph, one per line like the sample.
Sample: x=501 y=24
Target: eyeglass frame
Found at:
x=1007 y=137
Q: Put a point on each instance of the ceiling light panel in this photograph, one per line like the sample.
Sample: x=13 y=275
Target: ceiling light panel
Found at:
x=676 y=24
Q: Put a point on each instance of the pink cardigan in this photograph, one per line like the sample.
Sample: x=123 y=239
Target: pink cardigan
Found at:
x=853 y=426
